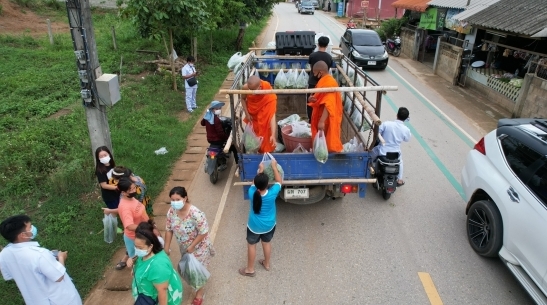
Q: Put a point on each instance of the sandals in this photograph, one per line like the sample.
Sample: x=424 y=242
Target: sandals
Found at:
x=261 y=261
x=400 y=184
x=242 y=272
x=197 y=301
x=121 y=265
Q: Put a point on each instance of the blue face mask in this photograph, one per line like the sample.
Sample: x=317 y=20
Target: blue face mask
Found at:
x=34 y=231
x=177 y=205
x=141 y=253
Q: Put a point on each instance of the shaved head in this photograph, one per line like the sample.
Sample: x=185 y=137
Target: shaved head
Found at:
x=253 y=82
x=320 y=66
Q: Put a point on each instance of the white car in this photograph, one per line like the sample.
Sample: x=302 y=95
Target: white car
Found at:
x=505 y=185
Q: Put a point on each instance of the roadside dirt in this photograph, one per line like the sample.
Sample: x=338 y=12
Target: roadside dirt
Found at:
x=19 y=20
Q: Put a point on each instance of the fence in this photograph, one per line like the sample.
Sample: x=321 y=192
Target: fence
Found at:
x=539 y=68
x=408 y=38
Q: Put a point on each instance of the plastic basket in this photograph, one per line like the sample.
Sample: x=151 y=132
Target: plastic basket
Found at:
x=291 y=142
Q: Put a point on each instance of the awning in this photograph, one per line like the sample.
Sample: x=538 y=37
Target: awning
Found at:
x=413 y=5
x=474 y=7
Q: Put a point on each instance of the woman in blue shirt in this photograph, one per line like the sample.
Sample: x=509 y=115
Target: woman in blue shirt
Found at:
x=261 y=223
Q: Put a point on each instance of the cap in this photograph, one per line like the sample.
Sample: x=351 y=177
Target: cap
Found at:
x=216 y=104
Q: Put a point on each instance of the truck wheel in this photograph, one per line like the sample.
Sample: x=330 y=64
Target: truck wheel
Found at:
x=386 y=195
x=213 y=177
x=485 y=228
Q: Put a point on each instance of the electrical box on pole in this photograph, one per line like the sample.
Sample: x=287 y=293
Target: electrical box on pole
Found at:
x=88 y=71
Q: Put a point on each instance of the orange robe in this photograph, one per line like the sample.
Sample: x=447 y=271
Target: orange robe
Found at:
x=332 y=101
x=262 y=108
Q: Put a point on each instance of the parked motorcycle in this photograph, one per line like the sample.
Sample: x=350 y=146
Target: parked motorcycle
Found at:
x=393 y=46
x=351 y=25
x=386 y=170
x=216 y=158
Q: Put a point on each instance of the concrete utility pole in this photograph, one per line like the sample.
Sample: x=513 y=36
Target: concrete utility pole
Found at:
x=87 y=61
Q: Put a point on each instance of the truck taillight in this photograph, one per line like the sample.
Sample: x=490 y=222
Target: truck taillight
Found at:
x=348 y=188
x=480 y=147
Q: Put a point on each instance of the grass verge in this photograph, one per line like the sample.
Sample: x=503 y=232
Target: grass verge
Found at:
x=46 y=169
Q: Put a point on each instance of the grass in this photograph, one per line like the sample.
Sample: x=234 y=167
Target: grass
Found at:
x=46 y=166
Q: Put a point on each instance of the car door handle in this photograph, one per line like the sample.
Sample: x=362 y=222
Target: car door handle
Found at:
x=513 y=195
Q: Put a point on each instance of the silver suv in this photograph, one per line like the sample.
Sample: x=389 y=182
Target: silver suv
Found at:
x=306 y=8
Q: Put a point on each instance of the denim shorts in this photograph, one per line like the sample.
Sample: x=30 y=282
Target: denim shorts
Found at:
x=253 y=238
x=129 y=246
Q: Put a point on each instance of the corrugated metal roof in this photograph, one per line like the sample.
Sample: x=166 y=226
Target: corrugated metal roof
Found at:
x=449 y=3
x=474 y=7
x=523 y=17
x=413 y=5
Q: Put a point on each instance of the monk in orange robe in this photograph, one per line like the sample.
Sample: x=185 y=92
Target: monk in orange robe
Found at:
x=260 y=111
x=327 y=108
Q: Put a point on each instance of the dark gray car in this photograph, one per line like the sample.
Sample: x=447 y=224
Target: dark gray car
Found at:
x=364 y=48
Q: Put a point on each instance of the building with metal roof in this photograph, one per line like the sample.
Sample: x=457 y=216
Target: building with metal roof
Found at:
x=457 y=4
x=474 y=7
x=413 y=5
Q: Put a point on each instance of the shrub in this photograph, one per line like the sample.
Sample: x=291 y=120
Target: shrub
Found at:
x=390 y=28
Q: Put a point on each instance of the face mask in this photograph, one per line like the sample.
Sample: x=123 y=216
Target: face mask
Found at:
x=177 y=205
x=132 y=194
x=34 y=231
x=141 y=253
x=218 y=112
x=104 y=160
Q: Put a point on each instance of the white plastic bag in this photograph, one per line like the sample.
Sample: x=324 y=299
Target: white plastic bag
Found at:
x=288 y=120
x=300 y=149
x=268 y=170
x=251 y=141
x=234 y=60
x=302 y=80
x=110 y=228
x=320 y=149
x=192 y=271
x=291 y=79
x=300 y=129
x=280 y=81
x=279 y=147
x=161 y=151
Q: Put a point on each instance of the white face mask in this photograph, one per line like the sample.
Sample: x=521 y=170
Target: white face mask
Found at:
x=105 y=160
x=218 y=112
x=177 y=204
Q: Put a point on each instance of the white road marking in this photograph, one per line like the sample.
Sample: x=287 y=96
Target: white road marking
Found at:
x=276 y=26
x=218 y=216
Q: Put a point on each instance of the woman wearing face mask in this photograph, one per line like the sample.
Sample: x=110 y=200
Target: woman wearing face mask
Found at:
x=216 y=134
x=104 y=165
x=191 y=230
x=121 y=171
x=132 y=213
x=154 y=276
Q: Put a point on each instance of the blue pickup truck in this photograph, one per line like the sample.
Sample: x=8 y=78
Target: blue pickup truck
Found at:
x=306 y=180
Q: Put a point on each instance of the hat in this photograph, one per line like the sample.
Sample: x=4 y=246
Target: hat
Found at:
x=216 y=104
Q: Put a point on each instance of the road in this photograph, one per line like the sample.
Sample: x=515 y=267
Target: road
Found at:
x=371 y=251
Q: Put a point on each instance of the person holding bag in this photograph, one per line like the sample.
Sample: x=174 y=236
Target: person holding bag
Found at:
x=189 y=74
x=155 y=281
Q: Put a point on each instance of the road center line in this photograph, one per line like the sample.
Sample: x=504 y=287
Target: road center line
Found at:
x=221 y=205
x=430 y=289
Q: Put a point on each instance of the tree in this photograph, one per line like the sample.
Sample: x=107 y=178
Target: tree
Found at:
x=157 y=19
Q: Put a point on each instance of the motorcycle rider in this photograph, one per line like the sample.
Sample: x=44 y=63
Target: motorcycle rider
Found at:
x=394 y=133
x=216 y=135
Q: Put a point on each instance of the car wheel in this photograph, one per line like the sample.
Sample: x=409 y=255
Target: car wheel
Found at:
x=485 y=228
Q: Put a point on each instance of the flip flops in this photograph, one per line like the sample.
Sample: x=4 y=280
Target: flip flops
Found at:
x=242 y=272
x=261 y=261
x=121 y=265
x=400 y=184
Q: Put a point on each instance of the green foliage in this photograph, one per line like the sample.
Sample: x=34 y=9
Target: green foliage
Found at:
x=26 y=3
x=1 y=9
x=390 y=28
x=46 y=165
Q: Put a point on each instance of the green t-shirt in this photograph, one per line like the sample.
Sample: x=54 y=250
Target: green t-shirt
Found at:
x=156 y=270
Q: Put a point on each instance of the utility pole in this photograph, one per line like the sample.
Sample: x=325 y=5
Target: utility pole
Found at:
x=87 y=61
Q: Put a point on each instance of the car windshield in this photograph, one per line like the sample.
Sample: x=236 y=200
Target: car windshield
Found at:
x=366 y=40
x=306 y=4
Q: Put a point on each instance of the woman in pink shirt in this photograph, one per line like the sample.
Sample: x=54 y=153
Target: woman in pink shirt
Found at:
x=131 y=212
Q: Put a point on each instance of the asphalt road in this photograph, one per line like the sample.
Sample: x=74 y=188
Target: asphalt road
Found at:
x=371 y=251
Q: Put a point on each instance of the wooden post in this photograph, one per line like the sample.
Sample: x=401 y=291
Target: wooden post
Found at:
x=114 y=37
x=49 y=31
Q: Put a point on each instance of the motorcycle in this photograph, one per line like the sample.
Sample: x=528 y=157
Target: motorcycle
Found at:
x=386 y=169
x=393 y=46
x=216 y=158
x=351 y=25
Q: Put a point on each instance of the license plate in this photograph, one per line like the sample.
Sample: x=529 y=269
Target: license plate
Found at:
x=301 y=193
x=372 y=63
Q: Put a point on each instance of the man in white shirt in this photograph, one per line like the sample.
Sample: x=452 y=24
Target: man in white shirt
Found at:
x=394 y=133
x=41 y=278
x=189 y=74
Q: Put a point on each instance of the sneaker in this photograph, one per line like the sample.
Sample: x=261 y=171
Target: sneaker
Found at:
x=190 y=110
x=222 y=167
x=194 y=107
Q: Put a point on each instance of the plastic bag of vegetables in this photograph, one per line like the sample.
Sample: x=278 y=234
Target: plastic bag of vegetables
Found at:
x=110 y=226
x=235 y=60
x=302 y=80
x=517 y=82
x=263 y=66
x=292 y=76
x=251 y=141
x=320 y=149
x=268 y=170
x=192 y=271
x=280 y=81
x=288 y=120
x=300 y=129
x=300 y=149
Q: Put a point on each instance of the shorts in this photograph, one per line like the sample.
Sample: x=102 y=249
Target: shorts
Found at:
x=129 y=246
x=113 y=203
x=253 y=238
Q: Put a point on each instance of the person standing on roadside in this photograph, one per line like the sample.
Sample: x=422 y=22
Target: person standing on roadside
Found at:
x=142 y=197
x=40 y=274
x=191 y=230
x=189 y=74
x=262 y=218
x=315 y=57
x=104 y=164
